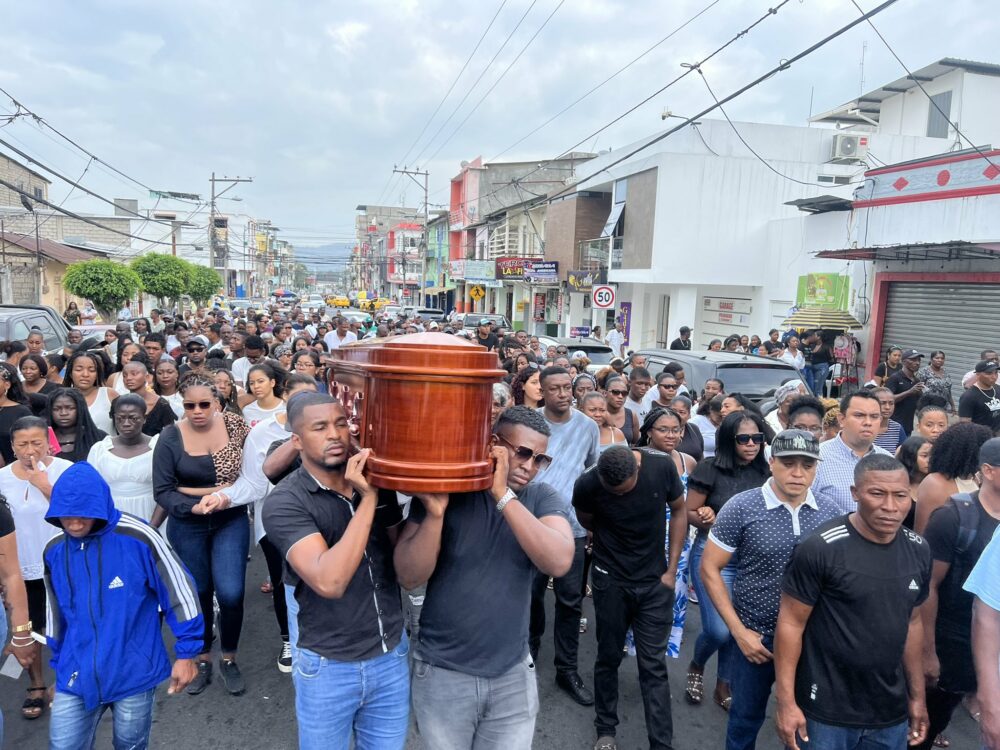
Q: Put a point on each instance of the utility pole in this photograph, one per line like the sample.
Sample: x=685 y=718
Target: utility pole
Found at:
x=212 y=246
x=413 y=174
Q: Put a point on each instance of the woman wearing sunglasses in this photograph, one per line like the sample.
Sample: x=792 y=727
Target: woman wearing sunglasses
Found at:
x=738 y=465
x=618 y=416
x=195 y=464
x=662 y=430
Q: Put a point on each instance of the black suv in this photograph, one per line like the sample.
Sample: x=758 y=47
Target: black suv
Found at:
x=16 y=322
x=755 y=377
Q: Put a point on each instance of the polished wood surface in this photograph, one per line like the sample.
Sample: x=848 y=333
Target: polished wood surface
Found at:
x=424 y=409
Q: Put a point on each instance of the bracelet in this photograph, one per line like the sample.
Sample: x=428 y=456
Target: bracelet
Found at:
x=24 y=642
x=507 y=497
x=26 y=628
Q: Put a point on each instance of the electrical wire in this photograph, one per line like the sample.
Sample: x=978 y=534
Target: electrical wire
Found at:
x=781 y=66
x=497 y=81
x=909 y=73
x=610 y=78
x=446 y=94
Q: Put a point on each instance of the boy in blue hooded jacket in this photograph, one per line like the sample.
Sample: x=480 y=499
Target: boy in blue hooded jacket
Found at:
x=107 y=576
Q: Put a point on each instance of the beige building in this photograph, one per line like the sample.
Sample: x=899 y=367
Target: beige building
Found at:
x=29 y=274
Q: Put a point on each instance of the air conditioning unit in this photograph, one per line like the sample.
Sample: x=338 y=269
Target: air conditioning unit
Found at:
x=849 y=147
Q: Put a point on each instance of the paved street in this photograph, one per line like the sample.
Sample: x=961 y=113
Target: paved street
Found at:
x=264 y=716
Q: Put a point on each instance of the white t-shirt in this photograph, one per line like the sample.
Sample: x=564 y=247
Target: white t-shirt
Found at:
x=28 y=506
x=253 y=413
x=333 y=340
x=797 y=360
x=615 y=339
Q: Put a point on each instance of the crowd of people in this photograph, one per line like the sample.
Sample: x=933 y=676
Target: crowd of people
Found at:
x=839 y=552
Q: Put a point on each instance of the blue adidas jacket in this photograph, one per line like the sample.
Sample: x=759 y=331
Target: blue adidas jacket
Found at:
x=103 y=593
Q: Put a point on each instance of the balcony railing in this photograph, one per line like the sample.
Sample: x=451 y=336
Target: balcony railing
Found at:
x=600 y=253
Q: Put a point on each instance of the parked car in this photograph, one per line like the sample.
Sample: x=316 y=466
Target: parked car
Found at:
x=338 y=300
x=471 y=320
x=599 y=354
x=755 y=377
x=16 y=322
x=427 y=314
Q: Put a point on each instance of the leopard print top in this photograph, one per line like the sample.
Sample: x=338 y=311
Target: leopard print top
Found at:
x=229 y=461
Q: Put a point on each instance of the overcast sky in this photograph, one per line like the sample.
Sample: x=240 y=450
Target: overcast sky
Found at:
x=317 y=100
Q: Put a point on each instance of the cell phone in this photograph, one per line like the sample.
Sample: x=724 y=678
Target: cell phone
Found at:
x=11 y=667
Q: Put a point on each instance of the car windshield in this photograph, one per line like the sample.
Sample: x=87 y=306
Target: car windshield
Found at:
x=598 y=355
x=754 y=379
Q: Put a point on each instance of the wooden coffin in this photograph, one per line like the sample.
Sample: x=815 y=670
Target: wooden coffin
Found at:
x=422 y=403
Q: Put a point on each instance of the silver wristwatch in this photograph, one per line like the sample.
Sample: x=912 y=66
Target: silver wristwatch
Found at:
x=507 y=497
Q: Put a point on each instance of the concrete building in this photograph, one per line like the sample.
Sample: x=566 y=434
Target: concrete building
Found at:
x=698 y=231
x=370 y=259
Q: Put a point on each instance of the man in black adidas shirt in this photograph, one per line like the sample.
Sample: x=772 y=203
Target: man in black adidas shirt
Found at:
x=849 y=640
x=623 y=500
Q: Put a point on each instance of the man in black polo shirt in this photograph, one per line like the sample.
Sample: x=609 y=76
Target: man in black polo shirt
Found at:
x=906 y=389
x=473 y=680
x=980 y=403
x=848 y=646
x=682 y=342
x=350 y=667
x=623 y=500
x=957 y=534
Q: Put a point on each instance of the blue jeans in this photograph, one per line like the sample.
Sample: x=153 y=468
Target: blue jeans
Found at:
x=714 y=634
x=456 y=711
x=751 y=688
x=828 y=737
x=72 y=727
x=3 y=639
x=370 y=699
x=817 y=374
x=293 y=617
x=214 y=549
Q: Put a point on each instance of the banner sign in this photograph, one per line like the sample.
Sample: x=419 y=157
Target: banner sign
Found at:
x=583 y=281
x=581 y=332
x=510 y=269
x=541 y=271
x=538 y=307
x=625 y=316
x=480 y=270
x=829 y=290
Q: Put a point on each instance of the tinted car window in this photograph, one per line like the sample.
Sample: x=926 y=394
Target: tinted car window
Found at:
x=754 y=379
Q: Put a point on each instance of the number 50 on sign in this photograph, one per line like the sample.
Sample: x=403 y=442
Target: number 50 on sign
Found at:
x=603 y=296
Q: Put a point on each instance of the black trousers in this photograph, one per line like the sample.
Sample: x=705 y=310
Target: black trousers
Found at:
x=648 y=609
x=274 y=569
x=566 y=627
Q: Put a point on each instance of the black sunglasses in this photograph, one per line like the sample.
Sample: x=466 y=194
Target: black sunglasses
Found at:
x=192 y=405
x=525 y=453
x=756 y=438
x=618 y=393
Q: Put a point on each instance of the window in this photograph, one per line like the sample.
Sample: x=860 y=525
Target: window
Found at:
x=38 y=193
x=621 y=190
x=834 y=179
x=52 y=340
x=937 y=123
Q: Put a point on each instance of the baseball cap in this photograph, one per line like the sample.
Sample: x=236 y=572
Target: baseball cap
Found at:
x=197 y=340
x=987 y=365
x=989 y=452
x=912 y=354
x=685 y=329
x=579 y=354
x=795 y=443
x=484 y=321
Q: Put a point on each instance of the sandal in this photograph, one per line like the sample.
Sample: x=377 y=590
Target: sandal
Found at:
x=695 y=688
x=266 y=587
x=32 y=707
x=941 y=741
x=725 y=703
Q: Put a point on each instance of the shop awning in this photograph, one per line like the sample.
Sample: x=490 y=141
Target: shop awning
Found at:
x=939 y=251
x=438 y=289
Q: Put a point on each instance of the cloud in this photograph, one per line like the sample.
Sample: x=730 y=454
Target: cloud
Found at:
x=347 y=36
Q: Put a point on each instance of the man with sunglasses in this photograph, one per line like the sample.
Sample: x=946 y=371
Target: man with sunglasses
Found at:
x=574 y=446
x=623 y=501
x=196 y=353
x=759 y=529
x=473 y=679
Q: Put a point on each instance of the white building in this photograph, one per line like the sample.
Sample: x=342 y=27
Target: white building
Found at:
x=708 y=235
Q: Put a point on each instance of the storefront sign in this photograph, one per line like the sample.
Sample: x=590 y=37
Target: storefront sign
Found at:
x=829 y=290
x=583 y=281
x=510 y=269
x=480 y=270
x=560 y=304
x=625 y=318
x=581 y=332
x=541 y=271
x=538 y=309
x=458 y=269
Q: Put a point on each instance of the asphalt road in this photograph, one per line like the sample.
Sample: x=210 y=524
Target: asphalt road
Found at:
x=264 y=717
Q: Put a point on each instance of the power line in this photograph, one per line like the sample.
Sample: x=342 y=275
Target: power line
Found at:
x=446 y=94
x=607 y=80
x=475 y=83
x=497 y=81
x=781 y=66
x=916 y=80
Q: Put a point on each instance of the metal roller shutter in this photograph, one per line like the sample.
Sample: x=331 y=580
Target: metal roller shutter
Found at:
x=959 y=319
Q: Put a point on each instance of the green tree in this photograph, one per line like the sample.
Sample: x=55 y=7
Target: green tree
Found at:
x=166 y=277
x=203 y=282
x=105 y=283
x=299 y=275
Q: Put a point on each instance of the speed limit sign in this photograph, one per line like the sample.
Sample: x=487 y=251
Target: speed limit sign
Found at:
x=604 y=296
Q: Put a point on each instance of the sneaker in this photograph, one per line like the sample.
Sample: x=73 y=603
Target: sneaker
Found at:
x=692 y=595
x=583 y=624
x=231 y=676
x=201 y=680
x=285 y=660
x=605 y=743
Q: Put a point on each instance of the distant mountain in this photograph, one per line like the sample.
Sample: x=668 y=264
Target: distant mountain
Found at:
x=324 y=257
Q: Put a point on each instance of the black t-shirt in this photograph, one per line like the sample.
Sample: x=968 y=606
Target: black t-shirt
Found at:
x=907 y=407
x=367 y=621
x=159 y=417
x=982 y=408
x=9 y=415
x=954 y=617
x=822 y=355
x=772 y=346
x=885 y=370
x=630 y=529
x=692 y=443
x=6 y=520
x=475 y=614
x=680 y=343
x=718 y=485
x=850 y=673
x=490 y=342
